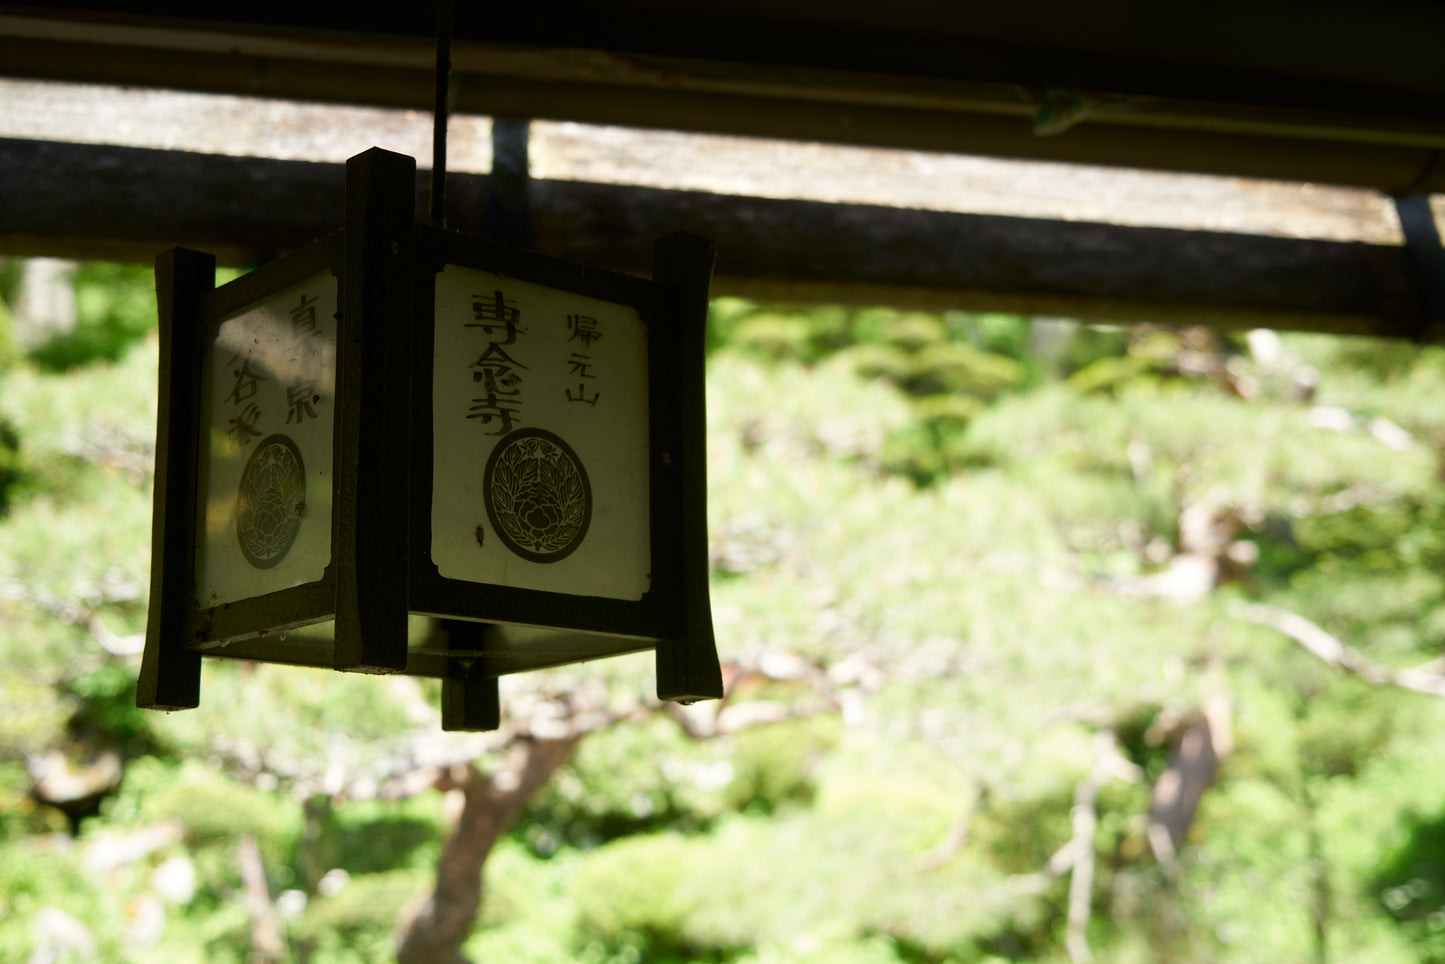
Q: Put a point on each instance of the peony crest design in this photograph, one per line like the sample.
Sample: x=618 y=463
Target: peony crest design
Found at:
x=537 y=494
x=270 y=501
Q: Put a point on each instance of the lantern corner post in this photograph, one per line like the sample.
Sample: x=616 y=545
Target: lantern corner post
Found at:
x=170 y=673
x=370 y=523
x=687 y=663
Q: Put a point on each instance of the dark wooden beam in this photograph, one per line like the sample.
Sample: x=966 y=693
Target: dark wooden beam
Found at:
x=996 y=120
x=125 y=203
x=1329 y=92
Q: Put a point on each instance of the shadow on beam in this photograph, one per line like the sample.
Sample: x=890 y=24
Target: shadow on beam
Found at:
x=85 y=201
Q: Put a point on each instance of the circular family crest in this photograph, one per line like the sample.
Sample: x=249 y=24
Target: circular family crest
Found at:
x=270 y=501
x=537 y=494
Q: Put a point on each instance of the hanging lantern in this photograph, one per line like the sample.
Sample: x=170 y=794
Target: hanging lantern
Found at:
x=399 y=420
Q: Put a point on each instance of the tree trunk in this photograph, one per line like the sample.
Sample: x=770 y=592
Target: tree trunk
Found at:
x=1194 y=764
x=44 y=307
x=433 y=932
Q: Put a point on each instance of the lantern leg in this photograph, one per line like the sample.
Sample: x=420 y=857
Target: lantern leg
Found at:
x=470 y=701
x=687 y=665
x=170 y=673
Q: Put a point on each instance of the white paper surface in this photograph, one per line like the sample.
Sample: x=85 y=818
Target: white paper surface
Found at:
x=269 y=401
x=548 y=389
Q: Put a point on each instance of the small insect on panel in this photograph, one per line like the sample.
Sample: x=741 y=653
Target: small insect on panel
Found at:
x=540 y=438
x=269 y=397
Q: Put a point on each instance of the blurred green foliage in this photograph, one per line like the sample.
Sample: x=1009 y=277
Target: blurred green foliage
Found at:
x=957 y=519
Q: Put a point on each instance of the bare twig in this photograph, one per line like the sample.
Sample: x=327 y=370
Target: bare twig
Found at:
x=75 y=613
x=268 y=941
x=1340 y=655
x=1081 y=881
x=959 y=833
x=107 y=444
x=1109 y=765
x=1076 y=857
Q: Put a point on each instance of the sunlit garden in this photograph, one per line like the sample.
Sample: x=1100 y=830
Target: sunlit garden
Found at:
x=1044 y=642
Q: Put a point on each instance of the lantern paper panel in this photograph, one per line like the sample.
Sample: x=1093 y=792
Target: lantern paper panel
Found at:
x=540 y=452
x=269 y=400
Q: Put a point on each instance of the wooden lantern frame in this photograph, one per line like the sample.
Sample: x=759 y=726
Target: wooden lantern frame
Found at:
x=380 y=572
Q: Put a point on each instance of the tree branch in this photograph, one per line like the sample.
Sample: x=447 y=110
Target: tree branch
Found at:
x=268 y=941
x=1077 y=857
x=74 y=613
x=1081 y=880
x=538 y=744
x=1109 y=765
x=958 y=834
x=1338 y=654
x=434 y=931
